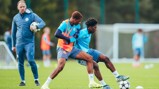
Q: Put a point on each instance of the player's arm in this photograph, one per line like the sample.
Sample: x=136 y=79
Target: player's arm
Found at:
x=77 y=34
x=47 y=41
x=80 y=34
x=60 y=30
x=14 y=30
x=59 y=34
x=39 y=20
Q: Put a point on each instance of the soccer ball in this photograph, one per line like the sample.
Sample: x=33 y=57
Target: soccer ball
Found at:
x=124 y=85
x=35 y=24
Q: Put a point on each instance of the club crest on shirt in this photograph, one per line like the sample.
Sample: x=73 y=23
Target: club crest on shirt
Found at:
x=26 y=19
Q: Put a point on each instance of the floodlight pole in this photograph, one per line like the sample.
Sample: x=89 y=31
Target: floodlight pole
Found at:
x=66 y=9
x=102 y=11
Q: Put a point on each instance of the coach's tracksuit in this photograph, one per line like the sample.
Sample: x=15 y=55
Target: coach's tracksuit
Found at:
x=23 y=40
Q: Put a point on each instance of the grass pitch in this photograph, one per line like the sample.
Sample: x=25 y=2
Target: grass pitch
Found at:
x=74 y=76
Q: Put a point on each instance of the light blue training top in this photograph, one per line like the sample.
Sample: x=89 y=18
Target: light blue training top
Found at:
x=83 y=40
x=66 y=27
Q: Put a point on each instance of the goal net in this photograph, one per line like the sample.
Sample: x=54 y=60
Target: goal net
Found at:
x=7 y=60
x=115 y=41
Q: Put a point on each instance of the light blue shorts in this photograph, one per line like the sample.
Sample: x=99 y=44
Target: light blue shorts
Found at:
x=138 y=51
x=64 y=54
x=46 y=52
x=94 y=53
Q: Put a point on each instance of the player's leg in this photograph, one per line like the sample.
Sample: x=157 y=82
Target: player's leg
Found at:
x=59 y=68
x=56 y=71
x=95 y=54
x=20 y=56
x=137 y=53
x=97 y=71
x=61 y=56
x=107 y=62
x=44 y=57
x=29 y=48
x=110 y=66
x=81 y=55
x=89 y=61
x=48 y=60
x=99 y=76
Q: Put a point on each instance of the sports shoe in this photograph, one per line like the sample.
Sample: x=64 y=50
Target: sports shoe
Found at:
x=45 y=87
x=22 y=84
x=122 y=78
x=94 y=85
x=37 y=83
x=106 y=87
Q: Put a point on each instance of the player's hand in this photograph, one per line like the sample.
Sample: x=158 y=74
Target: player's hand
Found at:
x=32 y=28
x=14 y=49
x=52 y=44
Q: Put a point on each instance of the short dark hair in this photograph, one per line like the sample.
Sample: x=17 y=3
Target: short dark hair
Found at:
x=91 y=22
x=77 y=15
x=140 y=30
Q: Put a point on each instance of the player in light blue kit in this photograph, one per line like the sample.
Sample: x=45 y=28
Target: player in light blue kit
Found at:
x=83 y=41
x=139 y=39
x=66 y=34
x=23 y=39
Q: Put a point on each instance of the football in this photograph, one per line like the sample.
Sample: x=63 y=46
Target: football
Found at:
x=124 y=85
x=34 y=24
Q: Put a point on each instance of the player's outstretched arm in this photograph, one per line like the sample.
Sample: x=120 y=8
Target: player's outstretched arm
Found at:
x=59 y=34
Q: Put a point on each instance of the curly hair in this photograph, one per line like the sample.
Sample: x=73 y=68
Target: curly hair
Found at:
x=91 y=22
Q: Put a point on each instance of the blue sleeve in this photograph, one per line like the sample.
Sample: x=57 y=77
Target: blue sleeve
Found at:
x=39 y=20
x=59 y=34
x=14 y=30
x=62 y=26
x=81 y=34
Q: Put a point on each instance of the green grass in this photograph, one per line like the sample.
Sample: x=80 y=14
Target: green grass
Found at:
x=74 y=76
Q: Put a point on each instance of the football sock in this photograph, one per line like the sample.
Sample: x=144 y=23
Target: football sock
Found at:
x=36 y=79
x=116 y=74
x=47 y=82
x=23 y=81
x=102 y=82
x=91 y=77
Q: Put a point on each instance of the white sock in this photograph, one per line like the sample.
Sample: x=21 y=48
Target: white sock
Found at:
x=45 y=63
x=102 y=82
x=36 y=79
x=23 y=81
x=48 y=62
x=48 y=81
x=116 y=74
x=91 y=77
